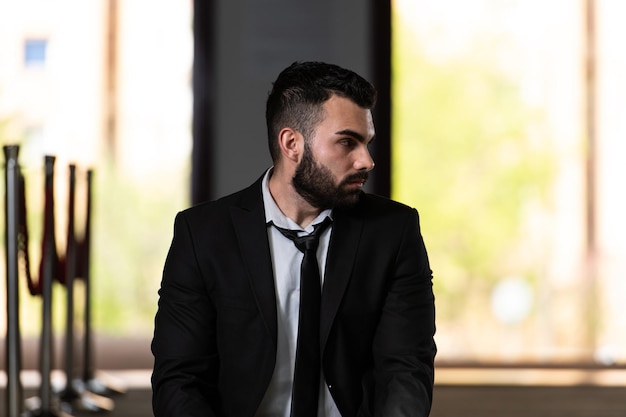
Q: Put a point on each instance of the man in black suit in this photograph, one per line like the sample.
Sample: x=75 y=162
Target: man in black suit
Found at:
x=230 y=332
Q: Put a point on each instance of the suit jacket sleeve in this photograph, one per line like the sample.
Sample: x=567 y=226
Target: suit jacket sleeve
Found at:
x=184 y=378
x=404 y=347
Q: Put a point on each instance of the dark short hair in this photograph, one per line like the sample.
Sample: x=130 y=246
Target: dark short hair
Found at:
x=301 y=89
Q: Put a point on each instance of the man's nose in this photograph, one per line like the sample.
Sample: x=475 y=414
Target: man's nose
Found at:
x=364 y=161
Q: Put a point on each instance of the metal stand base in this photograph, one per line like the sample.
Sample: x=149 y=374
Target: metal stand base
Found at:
x=105 y=385
x=33 y=409
x=83 y=400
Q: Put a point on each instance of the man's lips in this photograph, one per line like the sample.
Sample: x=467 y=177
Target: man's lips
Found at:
x=356 y=180
x=357 y=183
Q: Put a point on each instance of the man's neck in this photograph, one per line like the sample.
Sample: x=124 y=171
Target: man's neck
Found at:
x=290 y=201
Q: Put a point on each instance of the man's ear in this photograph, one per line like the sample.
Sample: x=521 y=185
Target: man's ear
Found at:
x=291 y=144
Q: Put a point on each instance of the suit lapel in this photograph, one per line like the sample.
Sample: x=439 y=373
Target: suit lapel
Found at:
x=250 y=228
x=346 y=234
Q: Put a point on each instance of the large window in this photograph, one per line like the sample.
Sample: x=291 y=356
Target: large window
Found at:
x=506 y=133
x=115 y=97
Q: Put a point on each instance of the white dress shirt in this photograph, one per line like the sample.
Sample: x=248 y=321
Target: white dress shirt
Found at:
x=286 y=260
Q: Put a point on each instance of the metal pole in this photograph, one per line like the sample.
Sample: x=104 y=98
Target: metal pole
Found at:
x=98 y=385
x=48 y=269
x=71 y=397
x=44 y=406
x=88 y=369
x=70 y=394
x=14 y=403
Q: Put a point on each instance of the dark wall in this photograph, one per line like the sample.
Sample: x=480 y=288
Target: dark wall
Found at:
x=242 y=45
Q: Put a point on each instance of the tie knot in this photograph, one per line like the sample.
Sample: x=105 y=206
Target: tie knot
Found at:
x=307 y=242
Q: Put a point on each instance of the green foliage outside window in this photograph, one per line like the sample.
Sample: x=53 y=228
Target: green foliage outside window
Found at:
x=474 y=159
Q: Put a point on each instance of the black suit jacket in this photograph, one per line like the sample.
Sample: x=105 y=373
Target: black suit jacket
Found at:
x=215 y=330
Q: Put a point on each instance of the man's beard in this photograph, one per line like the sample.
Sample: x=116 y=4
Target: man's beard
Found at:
x=315 y=183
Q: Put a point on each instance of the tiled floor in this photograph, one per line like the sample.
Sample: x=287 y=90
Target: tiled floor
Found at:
x=459 y=392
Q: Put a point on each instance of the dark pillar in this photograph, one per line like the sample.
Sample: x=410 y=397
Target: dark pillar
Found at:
x=203 y=100
x=239 y=48
x=381 y=68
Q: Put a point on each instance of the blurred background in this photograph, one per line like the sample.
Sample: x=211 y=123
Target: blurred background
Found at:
x=507 y=129
x=106 y=87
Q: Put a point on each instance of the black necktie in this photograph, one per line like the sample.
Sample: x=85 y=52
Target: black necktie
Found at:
x=305 y=392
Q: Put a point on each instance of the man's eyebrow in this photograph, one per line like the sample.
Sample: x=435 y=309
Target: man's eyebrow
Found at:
x=354 y=134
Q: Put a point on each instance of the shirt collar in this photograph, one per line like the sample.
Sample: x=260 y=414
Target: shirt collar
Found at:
x=274 y=215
